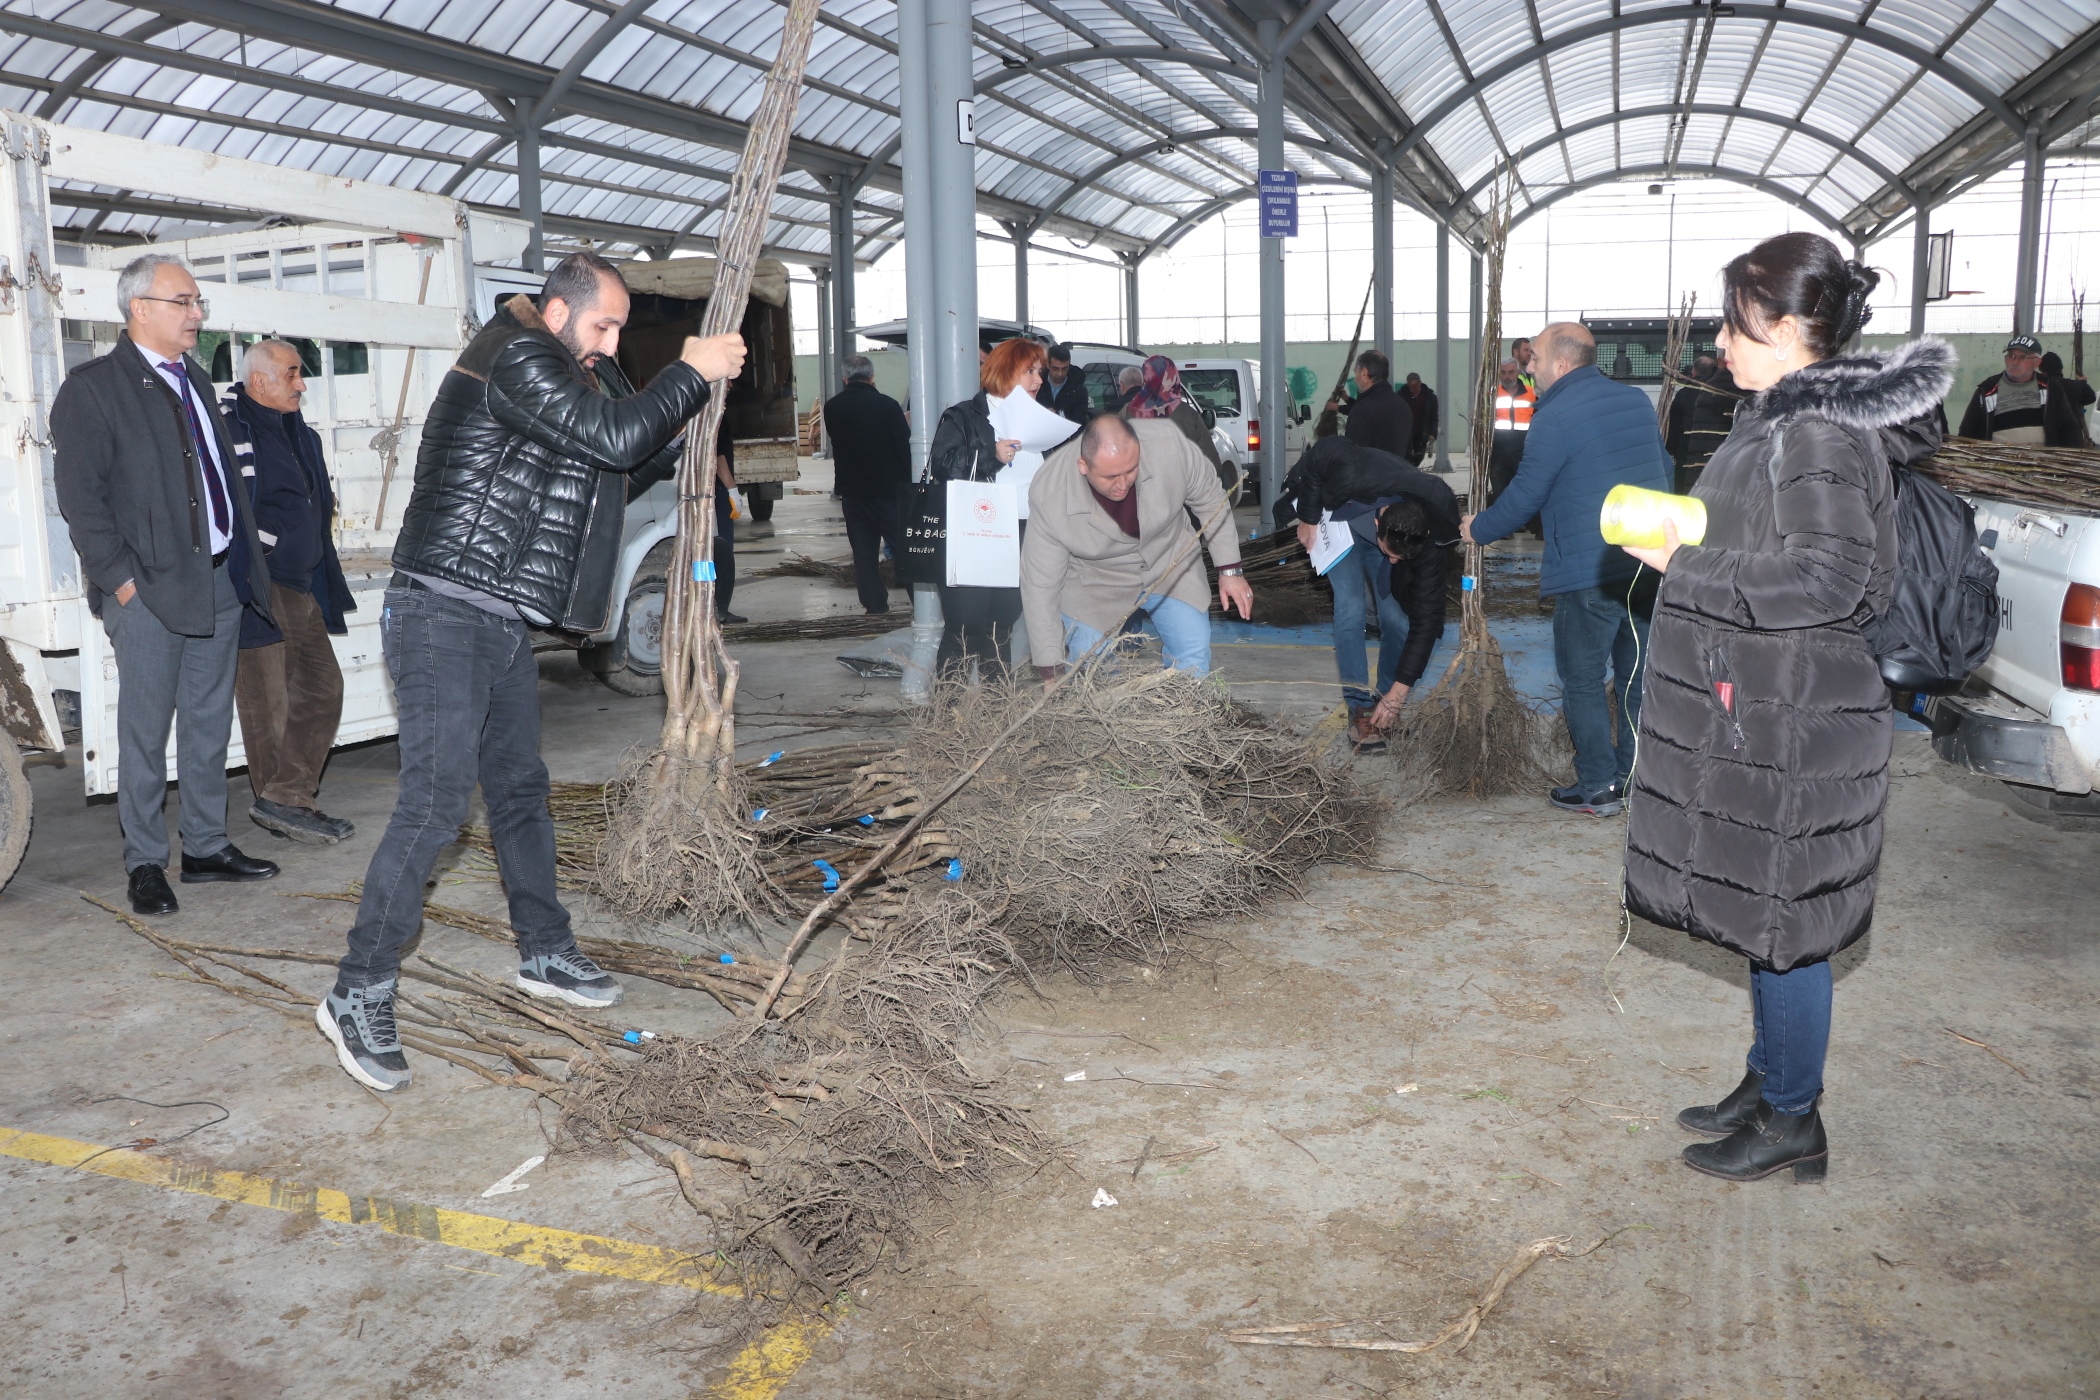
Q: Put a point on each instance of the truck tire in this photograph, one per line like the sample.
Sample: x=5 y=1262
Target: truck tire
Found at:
x=760 y=505
x=14 y=808
x=633 y=663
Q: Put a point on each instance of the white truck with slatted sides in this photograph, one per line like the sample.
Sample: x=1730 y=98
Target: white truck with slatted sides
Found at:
x=2030 y=716
x=373 y=285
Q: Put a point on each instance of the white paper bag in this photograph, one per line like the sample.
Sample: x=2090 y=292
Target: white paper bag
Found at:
x=984 y=535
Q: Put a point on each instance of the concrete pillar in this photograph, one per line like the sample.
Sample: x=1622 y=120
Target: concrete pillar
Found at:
x=842 y=312
x=2030 y=260
x=1443 y=347
x=949 y=97
x=1130 y=302
x=1382 y=261
x=1269 y=113
x=1920 y=265
x=921 y=301
x=529 y=195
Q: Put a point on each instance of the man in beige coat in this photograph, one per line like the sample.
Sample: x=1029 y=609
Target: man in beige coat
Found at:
x=1109 y=532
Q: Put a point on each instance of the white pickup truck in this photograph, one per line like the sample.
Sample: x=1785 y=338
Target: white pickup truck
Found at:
x=2031 y=715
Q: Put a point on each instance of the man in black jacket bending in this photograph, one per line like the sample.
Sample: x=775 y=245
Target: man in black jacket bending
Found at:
x=1402 y=521
x=871 y=468
x=514 y=523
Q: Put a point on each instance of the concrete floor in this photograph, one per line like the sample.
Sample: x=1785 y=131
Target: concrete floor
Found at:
x=1392 y=1084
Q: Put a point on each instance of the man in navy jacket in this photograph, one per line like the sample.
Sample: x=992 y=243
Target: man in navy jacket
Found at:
x=288 y=687
x=1588 y=434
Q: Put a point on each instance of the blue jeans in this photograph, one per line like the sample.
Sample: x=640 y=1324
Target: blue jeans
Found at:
x=467 y=692
x=1593 y=629
x=1354 y=576
x=1791 y=1011
x=1184 y=634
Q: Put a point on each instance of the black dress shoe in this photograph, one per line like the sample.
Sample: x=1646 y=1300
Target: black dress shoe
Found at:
x=228 y=864
x=1769 y=1142
x=1723 y=1118
x=150 y=893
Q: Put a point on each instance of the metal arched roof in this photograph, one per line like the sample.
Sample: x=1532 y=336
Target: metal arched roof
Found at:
x=1115 y=123
x=1851 y=109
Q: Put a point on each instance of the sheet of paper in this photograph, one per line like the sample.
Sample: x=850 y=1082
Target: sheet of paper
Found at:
x=1331 y=540
x=1018 y=473
x=1019 y=416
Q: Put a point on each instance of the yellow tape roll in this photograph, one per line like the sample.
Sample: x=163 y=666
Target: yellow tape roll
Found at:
x=1634 y=515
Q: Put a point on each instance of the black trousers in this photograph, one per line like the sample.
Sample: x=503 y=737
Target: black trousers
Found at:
x=870 y=522
x=977 y=622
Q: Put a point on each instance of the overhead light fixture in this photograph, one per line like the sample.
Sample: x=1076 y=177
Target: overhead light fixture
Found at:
x=1011 y=61
x=1655 y=189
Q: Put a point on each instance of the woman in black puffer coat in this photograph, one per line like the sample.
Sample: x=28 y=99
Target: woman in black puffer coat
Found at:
x=1765 y=728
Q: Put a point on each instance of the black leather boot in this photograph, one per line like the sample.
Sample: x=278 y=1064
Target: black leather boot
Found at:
x=1770 y=1141
x=1723 y=1118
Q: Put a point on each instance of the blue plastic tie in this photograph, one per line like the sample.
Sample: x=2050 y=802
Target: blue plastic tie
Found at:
x=868 y=820
x=830 y=873
x=728 y=959
x=632 y=1037
x=1467 y=583
x=758 y=814
x=773 y=758
x=954 y=870
x=703 y=571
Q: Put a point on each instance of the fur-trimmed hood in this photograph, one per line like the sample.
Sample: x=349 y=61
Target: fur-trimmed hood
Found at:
x=1872 y=389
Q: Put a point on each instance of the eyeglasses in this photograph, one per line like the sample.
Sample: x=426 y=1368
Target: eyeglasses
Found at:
x=203 y=306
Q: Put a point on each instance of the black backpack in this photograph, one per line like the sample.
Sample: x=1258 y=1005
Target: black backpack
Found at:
x=1943 y=619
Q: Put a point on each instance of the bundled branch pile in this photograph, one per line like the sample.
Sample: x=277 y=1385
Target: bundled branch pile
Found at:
x=1119 y=814
x=815 y=629
x=2067 y=478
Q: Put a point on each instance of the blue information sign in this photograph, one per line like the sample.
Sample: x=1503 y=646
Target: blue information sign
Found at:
x=1279 y=203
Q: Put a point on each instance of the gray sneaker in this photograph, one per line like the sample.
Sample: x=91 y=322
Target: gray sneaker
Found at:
x=298 y=823
x=359 y=1021
x=569 y=976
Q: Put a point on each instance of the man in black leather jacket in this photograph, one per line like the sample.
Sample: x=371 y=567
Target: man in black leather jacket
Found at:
x=514 y=522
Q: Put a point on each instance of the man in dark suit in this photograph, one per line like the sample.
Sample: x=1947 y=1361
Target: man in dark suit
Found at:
x=170 y=559
x=1421 y=406
x=871 y=467
x=288 y=687
x=1064 y=386
x=1378 y=417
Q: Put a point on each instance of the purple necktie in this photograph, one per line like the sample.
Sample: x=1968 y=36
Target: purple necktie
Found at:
x=221 y=520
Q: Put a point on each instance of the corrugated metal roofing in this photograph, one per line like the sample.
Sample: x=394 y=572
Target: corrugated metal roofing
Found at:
x=1821 y=101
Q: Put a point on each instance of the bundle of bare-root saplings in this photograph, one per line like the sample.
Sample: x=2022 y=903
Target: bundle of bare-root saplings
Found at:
x=1110 y=821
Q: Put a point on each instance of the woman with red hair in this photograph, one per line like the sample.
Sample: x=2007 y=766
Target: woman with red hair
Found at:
x=979 y=622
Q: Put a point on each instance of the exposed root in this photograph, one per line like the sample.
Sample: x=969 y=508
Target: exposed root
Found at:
x=680 y=842
x=1474 y=734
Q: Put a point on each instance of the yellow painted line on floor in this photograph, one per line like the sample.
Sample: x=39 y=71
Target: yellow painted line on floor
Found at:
x=758 y=1373
x=1329 y=728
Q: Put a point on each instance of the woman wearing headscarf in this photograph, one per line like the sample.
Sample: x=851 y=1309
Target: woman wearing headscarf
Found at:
x=1762 y=769
x=1163 y=397
x=979 y=622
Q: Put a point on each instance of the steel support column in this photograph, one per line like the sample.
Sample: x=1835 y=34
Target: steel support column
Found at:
x=2029 y=261
x=1019 y=233
x=843 y=240
x=1269 y=112
x=529 y=196
x=1920 y=267
x=1475 y=331
x=1382 y=261
x=921 y=306
x=1130 y=301
x=949 y=93
x=827 y=375
x=1443 y=347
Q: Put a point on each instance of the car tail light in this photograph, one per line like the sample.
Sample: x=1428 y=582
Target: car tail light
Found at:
x=2079 y=635
x=1254 y=442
